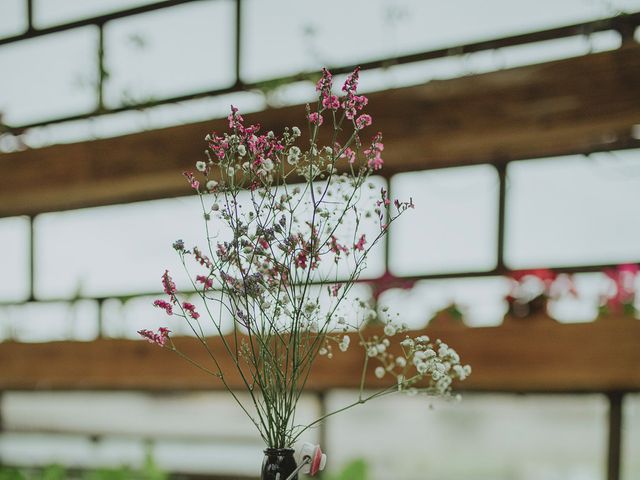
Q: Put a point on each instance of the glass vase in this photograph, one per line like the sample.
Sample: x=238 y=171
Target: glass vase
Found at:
x=278 y=464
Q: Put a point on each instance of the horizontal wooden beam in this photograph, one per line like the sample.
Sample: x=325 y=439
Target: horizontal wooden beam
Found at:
x=529 y=355
x=568 y=106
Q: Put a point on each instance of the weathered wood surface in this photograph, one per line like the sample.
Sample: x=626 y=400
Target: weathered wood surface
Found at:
x=530 y=355
x=542 y=110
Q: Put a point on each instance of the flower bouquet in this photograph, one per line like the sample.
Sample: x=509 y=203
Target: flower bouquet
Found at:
x=289 y=226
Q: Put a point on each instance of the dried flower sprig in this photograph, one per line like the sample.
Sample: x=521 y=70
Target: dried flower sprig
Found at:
x=289 y=226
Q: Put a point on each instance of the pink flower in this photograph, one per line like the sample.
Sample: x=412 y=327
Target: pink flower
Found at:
x=301 y=259
x=201 y=258
x=159 y=338
x=353 y=104
x=191 y=309
x=167 y=283
x=325 y=83
x=235 y=119
x=195 y=184
x=206 y=281
x=334 y=289
x=164 y=305
x=330 y=102
x=363 y=121
x=336 y=247
x=351 y=83
x=373 y=153
x=349 y=154
x=360 y=244
x=315 y=118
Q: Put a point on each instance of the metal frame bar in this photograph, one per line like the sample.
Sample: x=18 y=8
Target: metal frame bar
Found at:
x=614 y=446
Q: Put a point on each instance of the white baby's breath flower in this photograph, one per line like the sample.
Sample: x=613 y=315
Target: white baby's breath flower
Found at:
x=215 y=207
x=372 y=351
x=422 y=339
x=268 y=164
x=242 y=150
x=294 y=155
x=422 y=368
x=381 y=348
x=344 y=344
x=389 y=330
x=401 y=362
x=296 y=131
x=211 y=184
x=201 y=166
x=231 y=171
x=407 y=343
x=379 y=372
x=323 y=351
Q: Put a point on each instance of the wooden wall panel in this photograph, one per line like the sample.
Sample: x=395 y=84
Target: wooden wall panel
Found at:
x=571 y=105
x=528 y=355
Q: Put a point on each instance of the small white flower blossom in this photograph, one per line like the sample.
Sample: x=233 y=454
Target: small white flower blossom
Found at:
x=294 y=155
x=401 y=362
x=296 y=131
x=379 y=372
x=407 y=343
x=372 y=352
x=344 y=344
x=389 y=330
x=211 y=184
x=268 y=164
x=201 y=166
x=242 y=150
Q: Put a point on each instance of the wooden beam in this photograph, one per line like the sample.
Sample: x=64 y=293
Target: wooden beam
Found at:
x=529 y=355
x=566 y=106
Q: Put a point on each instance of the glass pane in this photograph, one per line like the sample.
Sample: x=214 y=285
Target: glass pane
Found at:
x=118 y=249
x=13 y=17
x=486 y=437
x=382 y=29
x=53 y=12
x=481 y=301
x=46 y=322
x=170 y=52
x=454 y=225
x=631 y=437
x=66 y=60
x=574 y=210
x=14 y=258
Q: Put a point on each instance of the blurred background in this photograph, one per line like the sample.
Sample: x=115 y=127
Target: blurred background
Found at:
x=515 y=127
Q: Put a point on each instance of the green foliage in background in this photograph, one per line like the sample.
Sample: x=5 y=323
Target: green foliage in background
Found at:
x=356 y=470
x=150 y=471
